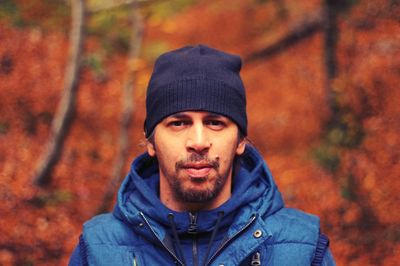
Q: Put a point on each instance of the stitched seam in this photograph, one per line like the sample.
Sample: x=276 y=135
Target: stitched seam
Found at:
x=119 y=245
x=290 y=242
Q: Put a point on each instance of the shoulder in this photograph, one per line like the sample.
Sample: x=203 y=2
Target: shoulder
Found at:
x=106 y=228
x=99 y=220
x=294 y=225
x=296 y=217
x=102 y=221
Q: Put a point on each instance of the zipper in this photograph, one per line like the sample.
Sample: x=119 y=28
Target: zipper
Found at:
x=223 y=245
x=193 y=231
x=195 y=254
x=193 y=223
x=162 y=243
x=256 y=259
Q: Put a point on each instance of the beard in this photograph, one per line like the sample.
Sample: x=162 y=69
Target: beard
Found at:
x=193 y=195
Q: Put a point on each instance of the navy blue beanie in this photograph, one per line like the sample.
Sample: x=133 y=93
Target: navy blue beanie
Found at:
x=196 y=78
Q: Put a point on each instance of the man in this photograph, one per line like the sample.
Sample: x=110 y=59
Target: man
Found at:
x=200 y=195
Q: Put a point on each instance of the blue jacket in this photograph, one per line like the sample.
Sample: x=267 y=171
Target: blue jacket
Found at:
x=252 y=228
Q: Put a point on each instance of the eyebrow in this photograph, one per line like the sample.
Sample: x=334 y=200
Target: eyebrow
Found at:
x=213 y=115
x=178 y=115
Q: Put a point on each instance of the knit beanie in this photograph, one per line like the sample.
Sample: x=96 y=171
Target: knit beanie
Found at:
x=196 y=78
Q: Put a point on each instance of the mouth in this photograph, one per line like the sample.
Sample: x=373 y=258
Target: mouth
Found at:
x=198 y=170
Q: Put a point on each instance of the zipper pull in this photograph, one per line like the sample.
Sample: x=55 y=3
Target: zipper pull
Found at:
x=193 y=223
x=256 y=259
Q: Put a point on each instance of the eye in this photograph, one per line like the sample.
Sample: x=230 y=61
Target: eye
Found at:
x=177 y=123
x=215 y=124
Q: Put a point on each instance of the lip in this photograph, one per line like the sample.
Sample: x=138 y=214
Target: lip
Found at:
x=197 y=165
x=198 y=170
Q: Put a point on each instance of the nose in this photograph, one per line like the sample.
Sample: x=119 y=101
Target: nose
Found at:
x=197 y=139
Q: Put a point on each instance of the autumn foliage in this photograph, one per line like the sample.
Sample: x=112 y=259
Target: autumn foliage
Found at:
x=340 y=162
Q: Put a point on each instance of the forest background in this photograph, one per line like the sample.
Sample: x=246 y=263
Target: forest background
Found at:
x=322 y=81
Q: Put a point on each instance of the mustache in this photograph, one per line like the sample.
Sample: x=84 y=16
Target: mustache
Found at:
x=198 y=158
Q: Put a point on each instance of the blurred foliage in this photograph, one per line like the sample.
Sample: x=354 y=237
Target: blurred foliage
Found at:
x=166 y=9
x=347 y=188
x=154 y=49
x=95 y=62
x=351 y=181
x=101 y=25
x=9 y=11
x=46 y=117
x=343 y=131
x=4 y=127
x=51 y=199
x=46 y=14
x=328 y=156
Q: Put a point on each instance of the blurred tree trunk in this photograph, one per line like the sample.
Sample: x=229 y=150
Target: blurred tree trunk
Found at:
x=65 y=111
x=330 y=44
x=367 y=219
x=128 y=109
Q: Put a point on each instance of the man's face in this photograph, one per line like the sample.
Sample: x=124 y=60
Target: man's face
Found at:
x=195 y=151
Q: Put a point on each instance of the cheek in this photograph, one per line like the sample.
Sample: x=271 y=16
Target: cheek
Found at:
x=168 y=154
x=226 y=152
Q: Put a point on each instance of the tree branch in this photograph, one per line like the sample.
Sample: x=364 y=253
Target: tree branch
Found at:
x=110 y=5
x=302 y=31
x=64 y=113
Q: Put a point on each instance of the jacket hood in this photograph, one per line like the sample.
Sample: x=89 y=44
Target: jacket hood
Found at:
x=254 y=193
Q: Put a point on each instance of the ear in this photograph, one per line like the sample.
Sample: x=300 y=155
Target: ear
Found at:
x=241 y=147
x=150 y=148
